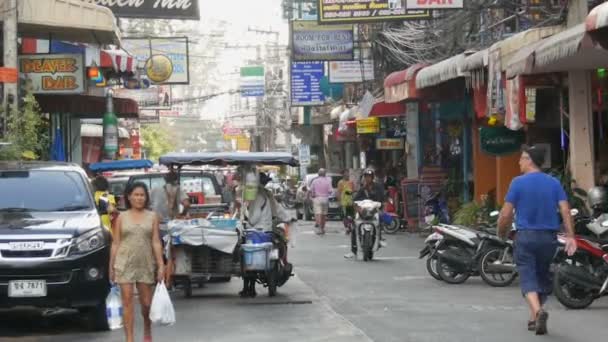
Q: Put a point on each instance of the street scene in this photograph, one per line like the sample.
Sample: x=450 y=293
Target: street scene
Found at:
x=308 y=170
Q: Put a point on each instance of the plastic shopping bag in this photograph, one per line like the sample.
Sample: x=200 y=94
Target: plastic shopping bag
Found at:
x=114 y=308
x=161 y=311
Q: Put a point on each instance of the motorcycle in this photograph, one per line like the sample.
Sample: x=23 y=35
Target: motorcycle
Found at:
x=389 y=220
x=367 y=228
x=582 y=278
x=288 y=197
x=436 y=210
x=432 y=242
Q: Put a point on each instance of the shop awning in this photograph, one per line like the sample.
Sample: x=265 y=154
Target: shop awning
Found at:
x=597 y=18
x=443 y=71
x=86 y=106
x=70 y=20
x=384 y=109
x=523 y=61
x=478 y=60
x=510 y=46
x=401 y=85
x=96 y=131
x=119 y=60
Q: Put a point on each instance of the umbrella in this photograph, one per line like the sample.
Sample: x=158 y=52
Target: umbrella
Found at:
x=57 y=150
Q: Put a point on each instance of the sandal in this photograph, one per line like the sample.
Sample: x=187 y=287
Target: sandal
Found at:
x=541 y=322
x=531 y=325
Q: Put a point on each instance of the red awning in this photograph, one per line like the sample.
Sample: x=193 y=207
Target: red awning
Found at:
x=399 y=77
x=597 y=18
x=86 y=106
x=118 y=60
x=381 y=109
x=401 y=85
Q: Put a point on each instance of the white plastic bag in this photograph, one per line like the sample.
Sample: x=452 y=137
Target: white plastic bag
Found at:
x=114 y=308
x=161 y=311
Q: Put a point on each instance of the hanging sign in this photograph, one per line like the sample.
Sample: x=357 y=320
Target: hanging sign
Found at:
x=306 y=83
x=500 y=140
x=53 y=74
x=351 y=71
x=253 y=82
x=359 y=11
x=159 y=68
x=367 y=126
x=304 y=154
x=389 y=144
x=313 y=42
x=156 y=53
x=153 y=9
x=530 y=104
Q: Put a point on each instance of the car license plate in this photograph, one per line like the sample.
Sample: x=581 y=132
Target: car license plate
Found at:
x=333 y=205
x=26 y=246
x=27 y=288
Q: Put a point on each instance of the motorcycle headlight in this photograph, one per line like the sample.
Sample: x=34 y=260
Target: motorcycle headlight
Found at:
x=89 y=241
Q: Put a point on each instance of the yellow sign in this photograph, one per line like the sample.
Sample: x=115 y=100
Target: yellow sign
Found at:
x=243 y=144
x=389 y=144
x=159 y=68
x=369 y=125
x=234 y=136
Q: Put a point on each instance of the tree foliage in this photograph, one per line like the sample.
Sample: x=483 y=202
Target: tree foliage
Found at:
x=156 y=141
x=28 y=133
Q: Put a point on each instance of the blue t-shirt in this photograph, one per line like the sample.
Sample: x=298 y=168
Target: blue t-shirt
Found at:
x=535 y=197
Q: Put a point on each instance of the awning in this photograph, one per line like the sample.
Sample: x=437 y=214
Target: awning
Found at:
x=597 y=18
x=119 y=60
x=383 y=109
x=70 y=20
x=86 y=106
x=443 y=71
x=523 y=61
x=96 y=131
x=510 y=46
x=478 y=60
x=401 y=85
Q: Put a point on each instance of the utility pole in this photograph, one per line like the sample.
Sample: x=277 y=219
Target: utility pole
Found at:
x=9 y=95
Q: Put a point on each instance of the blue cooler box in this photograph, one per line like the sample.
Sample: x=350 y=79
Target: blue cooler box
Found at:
x=256 y=256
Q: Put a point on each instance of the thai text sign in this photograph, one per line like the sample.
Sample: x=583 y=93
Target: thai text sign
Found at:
x=357 y=11
x=53 y=74
x=176 y=49
x=156 y=9
x=389 y=144
x=434 y=4
x=306 y=83
x=367 y=126
x=351 y=71
x=312 y=42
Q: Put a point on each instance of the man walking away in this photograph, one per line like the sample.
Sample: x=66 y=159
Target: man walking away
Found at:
x=321 y=189
x=535 y=198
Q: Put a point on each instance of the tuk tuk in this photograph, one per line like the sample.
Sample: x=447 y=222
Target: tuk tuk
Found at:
x=118 y=183
x=222 y=244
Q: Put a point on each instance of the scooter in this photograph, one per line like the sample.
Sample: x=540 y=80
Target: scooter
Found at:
x=432 y=242
x=367 y=228
x=436 y=210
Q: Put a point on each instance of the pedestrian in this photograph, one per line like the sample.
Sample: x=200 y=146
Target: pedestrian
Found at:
x=321 y=189
x=534 y=198
x=346 y=188
x=165 y=200
x=105 y=201
x=137 y=257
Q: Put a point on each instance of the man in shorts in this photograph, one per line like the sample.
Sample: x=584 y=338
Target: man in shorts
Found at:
x=320 y=190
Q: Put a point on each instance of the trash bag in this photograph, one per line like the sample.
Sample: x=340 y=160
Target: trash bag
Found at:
x=161 y=311
x=114 y=308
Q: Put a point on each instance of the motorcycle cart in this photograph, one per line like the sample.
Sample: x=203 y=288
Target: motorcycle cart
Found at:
x=219 y=246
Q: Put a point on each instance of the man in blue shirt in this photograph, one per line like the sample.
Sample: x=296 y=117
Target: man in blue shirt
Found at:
x=535 y=198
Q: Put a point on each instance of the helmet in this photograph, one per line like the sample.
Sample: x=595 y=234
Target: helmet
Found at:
x=596 y=196
x=368 y=172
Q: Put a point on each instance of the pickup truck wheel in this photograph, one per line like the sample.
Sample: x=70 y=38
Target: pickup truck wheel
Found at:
x=97 y=317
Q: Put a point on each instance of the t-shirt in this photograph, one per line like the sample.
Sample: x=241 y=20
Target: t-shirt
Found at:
x=160 y=202
x=321 y=187
x=345 y=187
x=535 y=197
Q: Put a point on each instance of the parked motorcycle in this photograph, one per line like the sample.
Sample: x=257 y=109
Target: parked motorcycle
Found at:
x=436 y=210
x=367 y=228
x=583 y=277
x=432 y=242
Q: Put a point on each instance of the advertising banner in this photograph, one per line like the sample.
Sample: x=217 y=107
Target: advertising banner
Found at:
x=306 y=83
x=253 y=82
x=351 y=71
x=389 y=144
x=53 y=74
x=153 y=9
x=175 y=49
x=434 y=4
x=359 y=11
x=155 y=97
x=312 y=42
x=367 y=126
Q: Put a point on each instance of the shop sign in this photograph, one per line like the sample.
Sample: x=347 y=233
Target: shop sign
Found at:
x=304 y=154
x=389 y=144
x=359 y=11
x=435 y=4
x=253 y=83
x=173 y=49
x=306 y=83
x=500 y=140
x=54 y=74
x=530 y=104
x=312 y=42
x=367 y=126
x=155 y=97
x=153 y=9
x=351 y=71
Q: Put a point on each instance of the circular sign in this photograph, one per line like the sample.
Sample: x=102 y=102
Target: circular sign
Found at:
x=159 y=68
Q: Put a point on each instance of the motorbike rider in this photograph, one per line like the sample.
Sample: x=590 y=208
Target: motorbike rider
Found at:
x=370 y=190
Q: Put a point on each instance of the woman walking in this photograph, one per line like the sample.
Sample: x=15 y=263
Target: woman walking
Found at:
x=137 y=258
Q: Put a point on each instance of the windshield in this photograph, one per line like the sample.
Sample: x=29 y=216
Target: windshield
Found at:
x=40 y=190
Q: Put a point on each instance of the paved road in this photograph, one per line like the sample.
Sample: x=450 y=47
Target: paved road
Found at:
x=333 y=299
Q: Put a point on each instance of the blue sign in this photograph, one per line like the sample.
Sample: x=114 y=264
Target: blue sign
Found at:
x=306 y=83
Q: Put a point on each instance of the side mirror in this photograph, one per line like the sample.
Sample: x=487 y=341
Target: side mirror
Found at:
x=494 y=213
x=573 y=212
x=605 y=223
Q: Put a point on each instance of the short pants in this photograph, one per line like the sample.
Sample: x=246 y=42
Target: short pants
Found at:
x=320 y=205
x=534 y=251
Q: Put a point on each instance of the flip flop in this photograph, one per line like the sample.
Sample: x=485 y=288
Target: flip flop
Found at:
x=531 y=325
x=541 y=322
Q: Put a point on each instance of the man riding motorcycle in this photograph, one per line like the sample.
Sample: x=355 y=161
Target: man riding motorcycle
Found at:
x=370 y=190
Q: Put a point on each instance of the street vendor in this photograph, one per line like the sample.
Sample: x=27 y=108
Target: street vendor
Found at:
x=165 y=200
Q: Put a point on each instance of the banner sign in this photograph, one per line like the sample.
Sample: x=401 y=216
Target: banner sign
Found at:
x=153 y=9
x=173 y=48
x=148 y=117
x=53 y=74
x=253 y=82
x=367 y=126
x=155 y=97
x=358 y=11
x=434 y=4
x=306 y=83
x=312 y=42
x=500 y=140
x=304 y=154
x=389 y=144
x=351 y=71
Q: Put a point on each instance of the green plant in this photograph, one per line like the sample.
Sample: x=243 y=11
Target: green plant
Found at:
x=156 y=141
x=468 y=214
